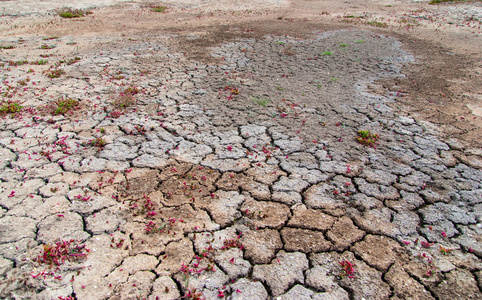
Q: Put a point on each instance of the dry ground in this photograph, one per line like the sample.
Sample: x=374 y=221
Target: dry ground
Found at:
x=212 y=150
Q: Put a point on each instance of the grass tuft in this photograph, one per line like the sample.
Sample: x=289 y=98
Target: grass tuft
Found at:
x=63 y=106
x=69 y=13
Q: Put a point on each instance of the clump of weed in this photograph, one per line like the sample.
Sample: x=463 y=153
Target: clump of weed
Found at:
x=17 y=63
x=23 y=82
x=50 y=38
x=47 y=47
x=56 y=73
x=365 y=137
x=124 y=101
x=126 y=98
x=8 y=47
x=262 y=101
x=63 y=106
x=115 y=114
x=62 y=251
x=347 y=269
x=158 y=8
x=69 y=13
x=39 y=62
x=326 y=53
x=10 y=107
x=377 y=24
x=98 y=142
x=73 y=61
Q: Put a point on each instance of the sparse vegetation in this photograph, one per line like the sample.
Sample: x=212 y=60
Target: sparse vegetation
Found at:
x=376 y=24
x=10 y=107
x=7 y=47
x=365 y=137
x=158 y=8
x=69 y=13
x=39 y=62
x=262 y=101
x=98 y=142
x=63 y=106
x=56 y=73
x=326 y=53
x=47 y=47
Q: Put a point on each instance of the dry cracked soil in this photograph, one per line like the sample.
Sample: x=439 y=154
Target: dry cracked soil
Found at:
x=240 y=150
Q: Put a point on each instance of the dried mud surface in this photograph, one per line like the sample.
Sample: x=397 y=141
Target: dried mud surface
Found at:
x=211 y=151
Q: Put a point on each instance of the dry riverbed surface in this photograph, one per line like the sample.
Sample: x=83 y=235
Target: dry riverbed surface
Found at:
x=240 y=150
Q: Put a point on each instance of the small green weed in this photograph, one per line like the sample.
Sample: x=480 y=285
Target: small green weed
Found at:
x=326 y=53
x=365 y=137
x=47 y=47
x=50 y=38
x=98 y=142
x=343 y=45
x=10 y=107
x=73 y=61
x=17 y=63
x=158 y=8
x=333 y=79
x=360 y=41
x=39 y=62
x=70 y=13
x=54 y=73
x=63 y=106
x=377 y=24
x=263 y=101
x=8 y=47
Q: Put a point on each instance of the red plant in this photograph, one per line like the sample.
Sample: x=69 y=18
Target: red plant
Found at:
x=348 y=269
x=60 y=252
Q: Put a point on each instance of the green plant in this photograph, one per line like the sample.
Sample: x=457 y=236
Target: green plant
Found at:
x=333 y=79
x=263 y=102
x=17 y=63
x=343 y=45
x=50 y=38
x=377 y=24
x=47 y=47
x=63 y=106
x=39 y=62
x=326 y=53
x=54 y=73
x=158 y=8
x=73 y=60
x=10 y=107
x=365 y=137
x=68 y=13
x=7 y=47
x=98 y=142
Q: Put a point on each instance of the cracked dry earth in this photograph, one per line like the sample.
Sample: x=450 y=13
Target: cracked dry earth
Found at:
x=237 y=177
